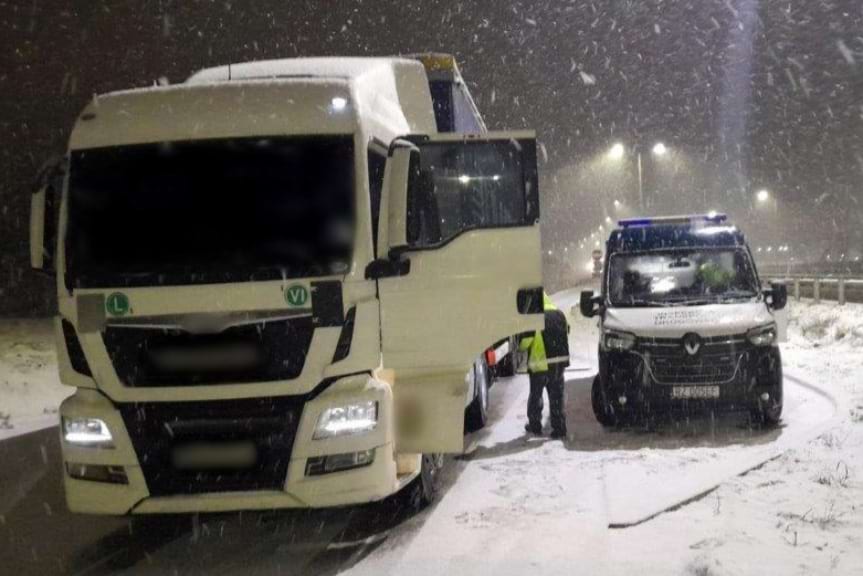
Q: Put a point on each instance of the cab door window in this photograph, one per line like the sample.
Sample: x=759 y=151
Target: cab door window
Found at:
x=456 y=186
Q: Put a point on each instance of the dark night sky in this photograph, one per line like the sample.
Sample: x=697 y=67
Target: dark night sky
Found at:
x=750 y=94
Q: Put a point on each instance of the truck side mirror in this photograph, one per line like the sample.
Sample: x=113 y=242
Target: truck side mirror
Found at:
x=589 y=304
x=37 y=228
x=777 y=295
x=392 y=230
x=44 y=216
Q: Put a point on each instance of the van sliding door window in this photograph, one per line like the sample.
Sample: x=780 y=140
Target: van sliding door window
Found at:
x=458 y=186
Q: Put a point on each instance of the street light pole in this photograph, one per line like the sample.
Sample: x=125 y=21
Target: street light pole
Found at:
x=640 y=185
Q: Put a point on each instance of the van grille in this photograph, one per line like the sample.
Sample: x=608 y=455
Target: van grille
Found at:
x=715 y=362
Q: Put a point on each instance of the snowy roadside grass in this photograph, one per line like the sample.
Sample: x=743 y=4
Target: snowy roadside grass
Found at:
x=801 y=513
x=29 y=386
x=826 y=324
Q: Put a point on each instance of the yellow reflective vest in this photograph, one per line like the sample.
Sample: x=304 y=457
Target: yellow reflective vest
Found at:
x=537 y=360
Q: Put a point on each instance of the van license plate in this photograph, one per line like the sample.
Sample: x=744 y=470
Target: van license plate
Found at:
x=695 y=392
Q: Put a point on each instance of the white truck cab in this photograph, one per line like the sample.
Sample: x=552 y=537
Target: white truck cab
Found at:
x=272 y=280
x=684 y=321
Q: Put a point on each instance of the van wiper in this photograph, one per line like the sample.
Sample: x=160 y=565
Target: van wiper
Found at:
x=647 y=303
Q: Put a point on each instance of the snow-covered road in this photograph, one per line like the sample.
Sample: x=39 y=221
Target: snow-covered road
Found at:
x=521 y=502
x=676 y=499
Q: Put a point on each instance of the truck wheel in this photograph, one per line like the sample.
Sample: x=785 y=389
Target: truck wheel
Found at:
x=476 y=415
x=429 y=478
x=602 y=409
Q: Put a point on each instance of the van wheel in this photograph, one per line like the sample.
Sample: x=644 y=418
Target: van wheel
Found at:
x=477 y=412
x=429 y=478
x=602 y=409
x=767 y=414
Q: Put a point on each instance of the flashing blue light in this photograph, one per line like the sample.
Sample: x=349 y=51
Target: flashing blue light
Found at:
x=713 y=217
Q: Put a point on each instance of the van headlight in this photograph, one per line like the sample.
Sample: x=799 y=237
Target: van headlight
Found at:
x=90 y=432
x=355 y=418
x=614 y=340
x=763 y=335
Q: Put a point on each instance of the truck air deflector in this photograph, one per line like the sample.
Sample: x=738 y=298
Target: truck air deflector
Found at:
x=327 y=307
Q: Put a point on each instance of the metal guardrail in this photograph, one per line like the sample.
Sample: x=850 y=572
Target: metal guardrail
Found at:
x=841 y=289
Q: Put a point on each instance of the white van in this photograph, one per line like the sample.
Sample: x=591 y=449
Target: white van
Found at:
x=684 y=321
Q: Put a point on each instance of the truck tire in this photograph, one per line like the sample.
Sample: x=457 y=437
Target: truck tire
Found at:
x=476 y=414
x=602 y=409
x=429 y=480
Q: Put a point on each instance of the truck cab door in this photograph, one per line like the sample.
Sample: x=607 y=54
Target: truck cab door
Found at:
x=458 y=269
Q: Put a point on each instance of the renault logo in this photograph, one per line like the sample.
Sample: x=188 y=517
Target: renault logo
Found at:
x=691 y=343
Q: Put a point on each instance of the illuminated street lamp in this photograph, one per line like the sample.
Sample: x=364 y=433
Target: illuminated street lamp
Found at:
x=762 y=196
x=617 y=151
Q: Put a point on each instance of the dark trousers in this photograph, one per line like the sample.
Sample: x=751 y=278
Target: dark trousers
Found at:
x=552 y=380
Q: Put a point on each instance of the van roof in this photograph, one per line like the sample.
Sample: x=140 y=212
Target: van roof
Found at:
x=668 y=235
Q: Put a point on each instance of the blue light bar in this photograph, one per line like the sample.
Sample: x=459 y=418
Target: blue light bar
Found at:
x=713 y=218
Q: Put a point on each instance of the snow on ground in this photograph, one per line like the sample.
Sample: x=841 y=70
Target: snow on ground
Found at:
x=514 y=504
x=517 y=505
x=30 y=391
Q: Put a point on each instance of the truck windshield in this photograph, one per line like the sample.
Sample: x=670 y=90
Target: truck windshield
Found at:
x=685 y=277
x=195 y=212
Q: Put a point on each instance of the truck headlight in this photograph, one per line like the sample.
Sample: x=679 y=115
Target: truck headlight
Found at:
x=348 y=419
x=614 y=340
x=763 y=335
x=87 y=432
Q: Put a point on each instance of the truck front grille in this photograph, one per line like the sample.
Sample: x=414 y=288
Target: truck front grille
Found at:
x=263 y=427
x=715 y=362
x=257 y=352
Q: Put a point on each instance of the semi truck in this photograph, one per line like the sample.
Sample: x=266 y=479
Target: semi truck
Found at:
x=273 y=278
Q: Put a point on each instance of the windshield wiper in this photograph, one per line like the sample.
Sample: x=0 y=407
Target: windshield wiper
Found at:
x=646 y=303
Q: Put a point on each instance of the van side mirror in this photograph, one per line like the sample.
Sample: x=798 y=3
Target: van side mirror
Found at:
x=589 y=304
x=776 y=295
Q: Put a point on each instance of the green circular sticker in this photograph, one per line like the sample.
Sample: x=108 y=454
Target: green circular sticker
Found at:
x=296 y=295
x=117 y=304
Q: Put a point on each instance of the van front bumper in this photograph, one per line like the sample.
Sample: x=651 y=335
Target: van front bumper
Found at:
x=136 y=474
x=630 y=381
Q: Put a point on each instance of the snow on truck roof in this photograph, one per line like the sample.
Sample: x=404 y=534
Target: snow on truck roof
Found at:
x=217 y=102
x=322 y=67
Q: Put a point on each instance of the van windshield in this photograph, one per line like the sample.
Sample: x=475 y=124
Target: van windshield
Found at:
x=210 y=211
x=681 y=277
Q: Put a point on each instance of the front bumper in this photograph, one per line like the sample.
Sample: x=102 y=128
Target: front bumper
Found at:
x=632 y=375
x=150 y=488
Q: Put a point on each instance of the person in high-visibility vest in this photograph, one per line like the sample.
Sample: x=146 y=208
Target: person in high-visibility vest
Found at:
x=548 y=357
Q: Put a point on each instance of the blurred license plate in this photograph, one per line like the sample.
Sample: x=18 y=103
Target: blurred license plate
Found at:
x=210 y=456
x=695 y=392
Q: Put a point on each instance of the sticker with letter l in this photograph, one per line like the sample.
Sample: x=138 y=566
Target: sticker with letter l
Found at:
x=117 y=304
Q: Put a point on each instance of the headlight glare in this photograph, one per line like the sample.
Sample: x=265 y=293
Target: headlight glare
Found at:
x=762 y=336
x=355 y=418
x=87 y=432
x=614 y=340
